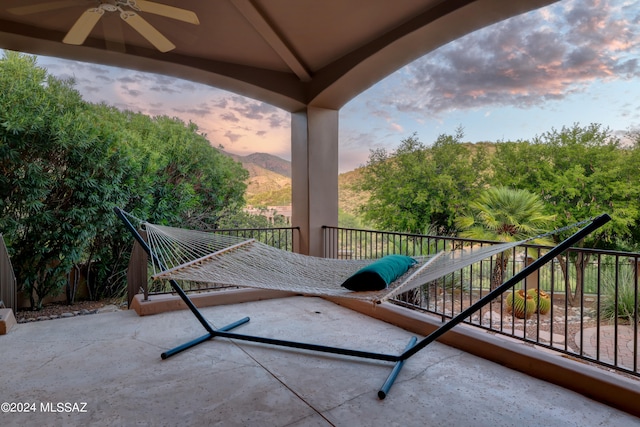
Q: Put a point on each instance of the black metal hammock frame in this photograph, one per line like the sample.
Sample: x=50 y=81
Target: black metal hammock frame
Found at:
x=413 y=346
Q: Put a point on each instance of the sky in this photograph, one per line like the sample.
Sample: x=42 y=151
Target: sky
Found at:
x=573 y=62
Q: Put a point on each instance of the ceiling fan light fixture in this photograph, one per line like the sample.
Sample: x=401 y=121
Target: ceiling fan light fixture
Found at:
x=109 y=7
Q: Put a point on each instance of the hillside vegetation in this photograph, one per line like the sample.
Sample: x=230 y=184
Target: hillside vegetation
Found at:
x=350 y=197
x=269 y=182
x=579 y=172
x=272 y=187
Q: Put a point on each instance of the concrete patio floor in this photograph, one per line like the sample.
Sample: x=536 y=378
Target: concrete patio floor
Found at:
x=108 y=366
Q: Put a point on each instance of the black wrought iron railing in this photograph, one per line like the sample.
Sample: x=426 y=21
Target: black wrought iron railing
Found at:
x=593 y=295
x=278 y=237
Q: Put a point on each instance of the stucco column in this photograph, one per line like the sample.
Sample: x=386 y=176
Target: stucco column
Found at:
x=314 y=175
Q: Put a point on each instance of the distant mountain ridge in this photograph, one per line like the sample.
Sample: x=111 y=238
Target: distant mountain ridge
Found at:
x=264 y=161
x=269 y=182
x=269 y=178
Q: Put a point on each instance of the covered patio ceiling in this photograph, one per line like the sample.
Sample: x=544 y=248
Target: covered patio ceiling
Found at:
x=288 y=53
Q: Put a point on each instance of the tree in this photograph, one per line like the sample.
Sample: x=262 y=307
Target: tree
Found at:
x=177 y=179
x=580 y=172
x=417 y=188
x=506 y=215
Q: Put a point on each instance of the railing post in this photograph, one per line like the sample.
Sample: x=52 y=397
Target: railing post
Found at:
x=137 y=276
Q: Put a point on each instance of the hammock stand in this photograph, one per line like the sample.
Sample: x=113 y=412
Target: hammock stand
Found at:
x=413 y=346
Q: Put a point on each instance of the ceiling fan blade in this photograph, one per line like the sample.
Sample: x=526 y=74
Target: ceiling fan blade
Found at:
x=147 y=31
x=83 y=26
x=42 y=7
x=168 y=11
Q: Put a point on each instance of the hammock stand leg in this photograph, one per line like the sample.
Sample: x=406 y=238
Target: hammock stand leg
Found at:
x=201 y=339
x=384 y=390
x=411 y=349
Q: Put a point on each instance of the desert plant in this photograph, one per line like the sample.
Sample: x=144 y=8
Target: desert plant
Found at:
x=520 y=304
x=620 y=296
x=507 y=215
x=541 y=299
x=64 y=165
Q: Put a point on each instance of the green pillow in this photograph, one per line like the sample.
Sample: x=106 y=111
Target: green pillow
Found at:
x=379 y=274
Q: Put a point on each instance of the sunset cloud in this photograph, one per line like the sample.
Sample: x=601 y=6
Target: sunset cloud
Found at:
x=525 y=61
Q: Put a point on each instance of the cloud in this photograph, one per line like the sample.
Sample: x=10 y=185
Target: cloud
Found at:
x=201 y=111
x=168 y=89
x=397 y=127
x=101 y=77
x=92 y=89
x=132 y=92
x=128 y=78
x=243 y=125
x=252 y=109
x=359 y=139
x=525 y=61
x=228 y=116
x=232 y=137
x=279 y=120
x=356 y=145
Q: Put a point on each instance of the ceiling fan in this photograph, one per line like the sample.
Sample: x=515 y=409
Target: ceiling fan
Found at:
x=128 y=13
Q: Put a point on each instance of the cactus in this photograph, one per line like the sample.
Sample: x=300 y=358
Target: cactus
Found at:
x=508 y=302
x=542 y=300
x=520 y=304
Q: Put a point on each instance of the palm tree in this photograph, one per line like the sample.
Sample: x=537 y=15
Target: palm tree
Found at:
x=506 y=215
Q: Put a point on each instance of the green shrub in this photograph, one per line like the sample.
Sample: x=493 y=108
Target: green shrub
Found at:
x=64 y=165
x=625 y=306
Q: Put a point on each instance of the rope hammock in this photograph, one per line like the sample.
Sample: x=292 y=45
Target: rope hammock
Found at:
x=218 y=258
x=235 y=261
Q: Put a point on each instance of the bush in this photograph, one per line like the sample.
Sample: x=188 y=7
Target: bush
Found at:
x=64 y=165
x=625 y=306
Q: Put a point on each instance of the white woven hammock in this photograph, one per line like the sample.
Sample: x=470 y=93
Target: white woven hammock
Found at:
x=228 y=260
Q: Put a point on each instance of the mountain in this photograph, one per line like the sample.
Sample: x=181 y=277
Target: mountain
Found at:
x=265 y=187
x=257 y=162
x=269 y=182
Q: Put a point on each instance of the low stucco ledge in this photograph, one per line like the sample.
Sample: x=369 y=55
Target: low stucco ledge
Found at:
x=7 y=320
x=161 y=303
